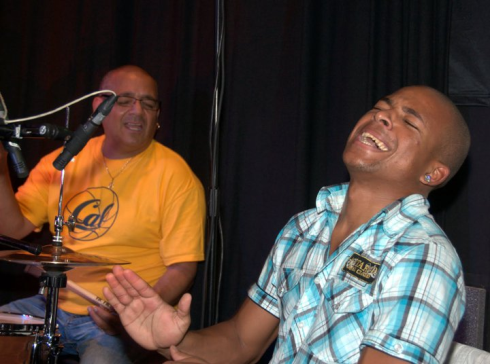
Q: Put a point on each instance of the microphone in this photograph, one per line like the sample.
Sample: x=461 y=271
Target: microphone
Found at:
x=17 y=158
x=83 y=133
x=47 y=131
x=35 y=249
x=13 y=149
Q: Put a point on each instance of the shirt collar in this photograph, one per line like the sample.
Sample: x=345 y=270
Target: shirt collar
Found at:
x=395 y=217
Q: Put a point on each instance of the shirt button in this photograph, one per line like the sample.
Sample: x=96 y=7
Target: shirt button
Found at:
x=336 y=306
x=398 y=348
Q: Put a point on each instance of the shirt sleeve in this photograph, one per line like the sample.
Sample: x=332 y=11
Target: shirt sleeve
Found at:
x=419 y=306
x=33 y=195
x=184 y=224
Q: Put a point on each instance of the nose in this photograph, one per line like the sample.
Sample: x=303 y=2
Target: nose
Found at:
x=136 y=107
x=384 y=117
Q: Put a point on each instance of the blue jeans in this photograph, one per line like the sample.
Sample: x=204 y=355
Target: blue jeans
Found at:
x=80 y=335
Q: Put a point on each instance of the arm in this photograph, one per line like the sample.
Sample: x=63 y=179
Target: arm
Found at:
x=156 y=325
x=242 y=339
x=176 y=281
x=12 y=222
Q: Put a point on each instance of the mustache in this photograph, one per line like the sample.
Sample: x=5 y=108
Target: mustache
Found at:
x=134 y=119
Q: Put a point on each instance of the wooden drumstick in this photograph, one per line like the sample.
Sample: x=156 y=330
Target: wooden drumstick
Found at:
x=89 y=296
x=75 y=288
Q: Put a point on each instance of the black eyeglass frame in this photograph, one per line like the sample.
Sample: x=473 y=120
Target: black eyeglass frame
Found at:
x=158 y=102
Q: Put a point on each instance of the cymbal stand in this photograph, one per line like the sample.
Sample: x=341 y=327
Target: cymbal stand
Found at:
x=47 y=346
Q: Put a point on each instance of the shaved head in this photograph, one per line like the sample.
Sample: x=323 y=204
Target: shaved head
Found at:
x=454 y=142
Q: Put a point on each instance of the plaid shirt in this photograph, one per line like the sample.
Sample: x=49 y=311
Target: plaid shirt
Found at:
x=395 y=284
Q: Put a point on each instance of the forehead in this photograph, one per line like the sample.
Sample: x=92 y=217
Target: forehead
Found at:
x=422 y=101
x=131 y=83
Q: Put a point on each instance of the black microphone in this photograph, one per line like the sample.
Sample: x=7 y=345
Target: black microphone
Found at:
x=17 y=158
x=47 y=131
x=15 y=153
x=35 y=249
x=82 y=135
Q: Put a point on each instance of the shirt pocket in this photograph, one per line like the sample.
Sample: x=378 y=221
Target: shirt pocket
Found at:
x=289 y=290
x=345 y=298
x=341 y=326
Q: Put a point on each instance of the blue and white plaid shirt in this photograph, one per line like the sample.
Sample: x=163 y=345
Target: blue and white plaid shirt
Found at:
x=395 y=284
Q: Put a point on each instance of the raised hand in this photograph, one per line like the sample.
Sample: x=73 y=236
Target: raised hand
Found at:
x=150 y=321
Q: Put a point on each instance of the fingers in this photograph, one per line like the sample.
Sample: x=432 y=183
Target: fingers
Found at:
x=126 y=282
x=126 y=287
x=135 y=285
x=184 y=305
x=105 y=320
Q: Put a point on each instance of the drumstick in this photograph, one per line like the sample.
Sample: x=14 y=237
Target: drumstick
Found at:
x=75 y=288
x=89 y=296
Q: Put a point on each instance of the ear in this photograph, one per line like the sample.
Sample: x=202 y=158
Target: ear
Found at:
x=96 y=102
x=437 y=176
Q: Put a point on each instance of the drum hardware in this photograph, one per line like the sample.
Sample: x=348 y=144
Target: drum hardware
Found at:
x=56 y=259
x=18 y=336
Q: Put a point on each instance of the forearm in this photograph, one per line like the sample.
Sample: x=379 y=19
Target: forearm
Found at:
x=176 y=281
x=242 y=339
x=219 y=344
x=12 y=222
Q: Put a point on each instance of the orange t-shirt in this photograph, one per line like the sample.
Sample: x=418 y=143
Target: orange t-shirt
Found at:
x=153 y=216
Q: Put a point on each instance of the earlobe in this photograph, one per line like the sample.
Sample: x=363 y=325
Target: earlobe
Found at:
x=436 y=177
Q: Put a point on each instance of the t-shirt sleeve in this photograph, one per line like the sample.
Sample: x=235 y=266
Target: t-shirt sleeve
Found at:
x=32 y=196
x=183 y=224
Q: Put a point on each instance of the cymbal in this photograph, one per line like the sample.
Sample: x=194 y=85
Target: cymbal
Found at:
x=57 y=256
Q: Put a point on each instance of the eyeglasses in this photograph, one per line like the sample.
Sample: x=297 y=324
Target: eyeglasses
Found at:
x=128 y=101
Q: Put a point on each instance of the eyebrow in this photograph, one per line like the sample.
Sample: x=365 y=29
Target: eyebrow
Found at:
x=406 y=109
x=144 y=97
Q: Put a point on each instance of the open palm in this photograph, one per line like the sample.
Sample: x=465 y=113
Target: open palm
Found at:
x=150 y=321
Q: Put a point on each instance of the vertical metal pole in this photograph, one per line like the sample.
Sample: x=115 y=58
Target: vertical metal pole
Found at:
x=214 y=249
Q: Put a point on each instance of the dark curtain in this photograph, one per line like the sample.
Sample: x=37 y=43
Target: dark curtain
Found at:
x=298 y=76
x=54 y=52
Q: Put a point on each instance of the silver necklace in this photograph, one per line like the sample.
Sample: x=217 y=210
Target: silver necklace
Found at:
x=111 y=185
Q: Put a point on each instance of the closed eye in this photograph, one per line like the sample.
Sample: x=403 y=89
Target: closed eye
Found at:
x=410 y=124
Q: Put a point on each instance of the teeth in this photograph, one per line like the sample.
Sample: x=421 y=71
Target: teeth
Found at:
x=133 y=126
x=366 y=138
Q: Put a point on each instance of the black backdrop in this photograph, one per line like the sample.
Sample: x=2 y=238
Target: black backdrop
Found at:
x=298 y=76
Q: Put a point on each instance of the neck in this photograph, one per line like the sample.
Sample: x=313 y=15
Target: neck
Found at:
x=114 y=151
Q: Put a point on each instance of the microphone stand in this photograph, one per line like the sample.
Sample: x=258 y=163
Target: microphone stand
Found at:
x=48 y=347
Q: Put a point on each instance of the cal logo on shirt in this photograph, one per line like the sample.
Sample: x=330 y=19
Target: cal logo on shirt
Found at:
x=361 y=268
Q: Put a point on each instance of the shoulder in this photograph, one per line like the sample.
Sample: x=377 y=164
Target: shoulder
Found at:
x=169 y=167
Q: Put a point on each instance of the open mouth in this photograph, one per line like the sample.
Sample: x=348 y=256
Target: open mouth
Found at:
x=371 y=140
x=134 y=126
